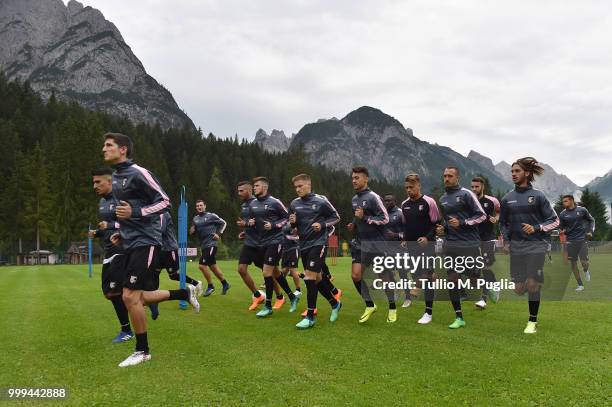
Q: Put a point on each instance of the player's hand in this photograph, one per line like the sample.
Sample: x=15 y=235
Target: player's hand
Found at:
x=316 y=227
x=103 y=225
x=350 y=227
x=589 y=236
x=216 y=237
x=267 y=225
x=241 y=223
x=91 y=234
x=454 y=222
x=241 y=235
x=192 y=230
x=422 y=241
x=493 y=219
x=123 y=210
x=527 y=228
x=359 y=212
x=116 y=239
x=292 y=218
x=251 y=222
x=440 y=230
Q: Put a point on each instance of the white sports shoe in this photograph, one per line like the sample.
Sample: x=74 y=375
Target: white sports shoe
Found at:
x=580 y=288
x=407 y=303
x=297 y=293
x=193 y=298
x=425 y=319
x=482 y=304
x=587 y=276
x=199 y=289
x=135 y=358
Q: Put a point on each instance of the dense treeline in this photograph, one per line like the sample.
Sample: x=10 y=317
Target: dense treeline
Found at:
x=51 y=147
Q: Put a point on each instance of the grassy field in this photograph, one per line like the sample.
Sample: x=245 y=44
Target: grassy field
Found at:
x=56 y=330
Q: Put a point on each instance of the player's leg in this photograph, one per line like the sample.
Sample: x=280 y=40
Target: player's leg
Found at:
x=212 y=263
x=573 y=250
x=584 y=260
x=361 y=286
x=171 y=265
x=425 y=279
x=326 y=278
x=113 y=274
x=270 y=262
x=454 y=292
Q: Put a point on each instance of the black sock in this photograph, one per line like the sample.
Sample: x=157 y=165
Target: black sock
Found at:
x=364 y=292
x=282 y=281
x=279 y=296
x=323 y=287
x=223 y=282
x=311 y=297
x=122 y=313
x=210 y=285
x=298 y=289
x=269 y=281
x=179 y=295
x=142 y=344
x=454 y=295
x=256 y=294
x=534 y=305
x=429 y=300
x=191 y=281
x=579 y=280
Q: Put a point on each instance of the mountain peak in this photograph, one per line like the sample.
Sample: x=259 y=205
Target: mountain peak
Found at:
x=371 y=117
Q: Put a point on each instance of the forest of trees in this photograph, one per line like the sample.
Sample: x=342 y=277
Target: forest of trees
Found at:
x=51 y=147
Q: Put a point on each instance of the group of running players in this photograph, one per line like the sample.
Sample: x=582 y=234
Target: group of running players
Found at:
x=139 y=241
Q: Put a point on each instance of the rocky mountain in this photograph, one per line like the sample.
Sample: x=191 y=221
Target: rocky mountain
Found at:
x=378 y=141
x=75 y=53
x=603 y=185
x=276 y=142
x=551 y=183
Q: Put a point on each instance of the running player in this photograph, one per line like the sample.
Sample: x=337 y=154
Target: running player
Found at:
x=113 y=268
x=421 y=215
x=525 y=219
x=486 y=229
x=462 y=214
x=572 y=221
x=312 y=215
x=209 y=228
x=370 y=217
x=267 y=215
x=140 y=201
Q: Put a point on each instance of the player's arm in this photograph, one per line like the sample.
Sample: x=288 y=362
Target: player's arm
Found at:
x=434 y=218
x=221 y=224
x=155 y=194
x=551 y=220
x=591 y=222
x=330 y=213
x=379 y=212
x=478 y=214
x=504 y=225
x=283 y=214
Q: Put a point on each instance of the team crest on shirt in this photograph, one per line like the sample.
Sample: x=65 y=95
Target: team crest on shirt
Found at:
x=486 y=205
x=420 y=207
x=314 y=207
x=363 y=203
x=459 y=199
x=531 y=199
x=124 y=183
x=133 y=279
x=111 y=207
x=266 y=206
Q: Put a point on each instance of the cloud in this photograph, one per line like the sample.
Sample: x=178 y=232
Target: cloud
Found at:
x=506 y=78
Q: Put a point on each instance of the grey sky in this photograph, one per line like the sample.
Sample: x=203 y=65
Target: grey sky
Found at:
x=507 y=79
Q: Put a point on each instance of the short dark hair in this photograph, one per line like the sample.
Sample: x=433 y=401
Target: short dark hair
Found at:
x=98 y=172
x=360 y=170
x=122 y=141
x=452 y=167
x=412 y=177
x=262 y=179
x=568 y=196
x=301 y=177
x=241 y=183
x=391 y=194
x=479 y=179
x=200 y=200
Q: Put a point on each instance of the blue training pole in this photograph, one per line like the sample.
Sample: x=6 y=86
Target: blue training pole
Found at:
x=182 y=242
x=89 y=251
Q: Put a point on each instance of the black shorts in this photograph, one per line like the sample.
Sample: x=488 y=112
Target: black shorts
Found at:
x=113 y=274
x=250 y=254
x=313 y=258
x=208 y=257
x=363 y=258
x=469 y=255
x=289 y=258
x=487 y=249
x=141 y=266
x=527 y=265
x=169 y=260
x=272 y=254
x=578 y=249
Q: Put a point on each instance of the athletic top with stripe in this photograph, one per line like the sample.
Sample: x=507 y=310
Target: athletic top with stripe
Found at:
x=290 y=238
x=576 y=222
x=420 y=218
x=490 y=204
x=106 y=212
x=311 y=209
x=268 y=209
x=251 y=238
x=207 y=224
x=139 y=187
x=375 y=216
x=169 y=242
x=527 y=205
x=462 y=204
x=395 y=227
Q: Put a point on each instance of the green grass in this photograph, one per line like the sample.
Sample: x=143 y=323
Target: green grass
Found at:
x=56 y=329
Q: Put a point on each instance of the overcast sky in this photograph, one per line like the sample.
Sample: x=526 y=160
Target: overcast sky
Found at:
x=507 y=79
